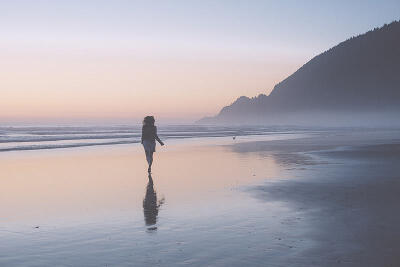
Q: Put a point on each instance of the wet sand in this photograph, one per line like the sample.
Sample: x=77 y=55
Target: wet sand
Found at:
x=346 y=190
x=97 y=207
x=328 y=199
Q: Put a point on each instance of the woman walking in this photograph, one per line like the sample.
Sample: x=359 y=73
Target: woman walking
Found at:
x=149 y=137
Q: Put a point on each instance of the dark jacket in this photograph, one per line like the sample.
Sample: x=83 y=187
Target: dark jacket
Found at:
x=149 y=132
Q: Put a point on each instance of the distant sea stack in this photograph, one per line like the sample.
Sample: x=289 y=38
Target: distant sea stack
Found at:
x=355 y=82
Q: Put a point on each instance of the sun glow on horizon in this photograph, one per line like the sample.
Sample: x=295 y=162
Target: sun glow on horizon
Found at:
x=71 y=60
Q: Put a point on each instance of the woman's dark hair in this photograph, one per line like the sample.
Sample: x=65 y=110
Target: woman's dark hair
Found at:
x=148 y=120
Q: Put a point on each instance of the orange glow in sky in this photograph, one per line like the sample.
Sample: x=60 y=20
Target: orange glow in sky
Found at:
x=176 y=60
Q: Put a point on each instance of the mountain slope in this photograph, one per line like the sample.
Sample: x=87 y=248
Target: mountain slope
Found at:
x=359 y=75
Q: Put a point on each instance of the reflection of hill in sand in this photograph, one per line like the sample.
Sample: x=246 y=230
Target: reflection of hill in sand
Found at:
x=345 y=201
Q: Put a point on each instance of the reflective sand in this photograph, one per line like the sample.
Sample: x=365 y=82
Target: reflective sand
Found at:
x=209 y=202
x=97 y=206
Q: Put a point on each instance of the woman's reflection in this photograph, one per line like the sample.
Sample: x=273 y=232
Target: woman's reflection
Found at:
x=151 y=205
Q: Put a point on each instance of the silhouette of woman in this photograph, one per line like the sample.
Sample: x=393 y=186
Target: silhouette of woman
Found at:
x=151 y=205
x=149 y=137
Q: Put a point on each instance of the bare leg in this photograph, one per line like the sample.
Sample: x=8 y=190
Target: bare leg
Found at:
x=149 y=158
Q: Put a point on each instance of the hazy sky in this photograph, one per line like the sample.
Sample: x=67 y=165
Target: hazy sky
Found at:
x=121 y=60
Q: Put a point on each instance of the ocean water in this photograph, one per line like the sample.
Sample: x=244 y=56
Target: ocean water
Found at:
x=14 y=138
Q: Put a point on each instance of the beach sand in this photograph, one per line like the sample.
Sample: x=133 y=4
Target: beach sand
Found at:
x=347 y=189
x=325 y=199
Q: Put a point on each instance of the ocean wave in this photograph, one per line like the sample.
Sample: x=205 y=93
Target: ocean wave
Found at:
x=58 y=146
x=53 y=137
x=23 y=139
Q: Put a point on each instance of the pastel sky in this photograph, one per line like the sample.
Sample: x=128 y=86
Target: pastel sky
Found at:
x=178 y=60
